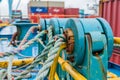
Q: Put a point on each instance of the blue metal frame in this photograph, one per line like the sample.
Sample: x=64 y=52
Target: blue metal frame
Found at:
x=22 y=28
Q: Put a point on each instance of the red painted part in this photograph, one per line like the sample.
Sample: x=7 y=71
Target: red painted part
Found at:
x=91 y=16
x=34 y=19
x=55 y=10
x=72 y=11
x=56 y=16
x=72 y=16
x=41 y=15
x=115 y=58
x=111 y=12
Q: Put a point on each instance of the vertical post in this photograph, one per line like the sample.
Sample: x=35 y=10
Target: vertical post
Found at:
x=10 y=8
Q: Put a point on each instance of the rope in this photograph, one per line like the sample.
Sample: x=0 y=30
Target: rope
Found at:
x=27 y=35
x=33 y=40
x=24 y=46
x=52 y=48
x=35 y=62
x=10 y=67
x=52 y=54
x=55 y=62
x=39 y=57
x=40 y=41
x=116 y=45
x=2 y=73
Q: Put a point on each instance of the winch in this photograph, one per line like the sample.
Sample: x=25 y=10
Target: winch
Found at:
x=89 y=46
x=82 y=47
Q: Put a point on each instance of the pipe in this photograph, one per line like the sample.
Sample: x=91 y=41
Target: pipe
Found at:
x=67 y=67
x=117 y=40
x=4 y=64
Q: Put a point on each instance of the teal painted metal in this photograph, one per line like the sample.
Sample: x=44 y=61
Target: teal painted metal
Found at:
x=108 y=34
x=22 y=28
x=92 y=44
x=58 y=25
x=76 y=27
x=44 y=23
x=92 y=48
x=10 y=8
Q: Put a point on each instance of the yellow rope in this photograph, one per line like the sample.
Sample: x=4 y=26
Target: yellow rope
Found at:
x=56 y=76
x=54 y=65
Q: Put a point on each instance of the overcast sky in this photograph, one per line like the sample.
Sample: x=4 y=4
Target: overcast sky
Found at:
x=82 y=4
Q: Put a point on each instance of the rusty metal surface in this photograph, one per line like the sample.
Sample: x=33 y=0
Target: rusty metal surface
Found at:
x=70 y=40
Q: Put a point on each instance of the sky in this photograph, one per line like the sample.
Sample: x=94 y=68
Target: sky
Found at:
x=82 y=4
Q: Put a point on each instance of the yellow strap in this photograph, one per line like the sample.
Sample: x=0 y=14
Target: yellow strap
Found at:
x=54 y=65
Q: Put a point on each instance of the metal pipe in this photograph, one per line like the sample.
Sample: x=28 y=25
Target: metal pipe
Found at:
x=117 y=40
x=4 y=64
x=67 y=67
